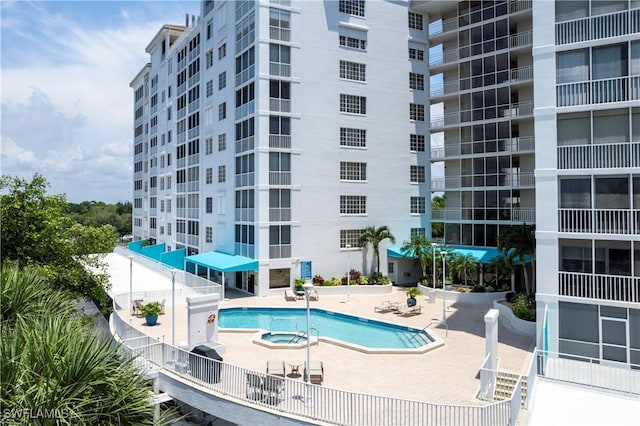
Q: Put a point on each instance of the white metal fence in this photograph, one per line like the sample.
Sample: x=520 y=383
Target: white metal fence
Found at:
x=290 y=396
x=597 y=286
x=590 y=372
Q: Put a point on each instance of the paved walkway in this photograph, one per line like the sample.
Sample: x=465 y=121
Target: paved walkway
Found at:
x=449 y=374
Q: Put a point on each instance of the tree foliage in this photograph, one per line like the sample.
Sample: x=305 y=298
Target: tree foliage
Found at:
x=437 y=228
x=97 y=214
x=464 y=266
x=419 y=246
x=519 y=242
x=50 y=360
x=373 y=236
x=37 y=232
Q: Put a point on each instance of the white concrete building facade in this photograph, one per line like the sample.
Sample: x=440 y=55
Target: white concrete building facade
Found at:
x=279 y=130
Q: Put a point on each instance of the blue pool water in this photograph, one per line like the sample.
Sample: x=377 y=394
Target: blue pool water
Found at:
x=349 y=329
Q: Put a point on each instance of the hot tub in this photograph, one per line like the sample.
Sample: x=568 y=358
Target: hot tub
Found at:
x=282 y=339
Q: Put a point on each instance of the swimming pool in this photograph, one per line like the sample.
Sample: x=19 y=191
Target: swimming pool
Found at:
x=346 y=330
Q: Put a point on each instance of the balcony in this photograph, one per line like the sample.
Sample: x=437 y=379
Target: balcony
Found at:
x=518 y=215
x=513 y=145
x=245 y=214
x=594 y=92
x=279 y=69
x=598 y=27
x=245 y=144
x=448 y=88
x=602 y=287
x=279 y=105
x=521 y=39
x=280 y=141
x=599 y=221
x=280 y=178
x=281 y=34
x=245 y=179
x=521 y=74
x=518 y=110
x=281 y=214
x=599 y=156
x=245 y=75
x=245 y=109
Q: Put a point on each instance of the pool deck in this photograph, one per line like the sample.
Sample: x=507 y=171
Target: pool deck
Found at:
x=448 y=374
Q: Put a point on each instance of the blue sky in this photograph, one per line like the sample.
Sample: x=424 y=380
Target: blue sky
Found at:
x=66 y=102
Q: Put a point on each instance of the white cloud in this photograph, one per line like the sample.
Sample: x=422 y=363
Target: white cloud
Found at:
x=67 y=105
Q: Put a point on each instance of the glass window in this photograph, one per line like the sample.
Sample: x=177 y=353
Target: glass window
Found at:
x=609 y=62
x=575 y=193
x=612 y=193
x=573 y=66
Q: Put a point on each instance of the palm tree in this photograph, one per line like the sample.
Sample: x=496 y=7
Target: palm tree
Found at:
x=50 y=359
x=374 y=236
x=462 y=265
x=419 y=246
x=502 y=266
x=520 y=242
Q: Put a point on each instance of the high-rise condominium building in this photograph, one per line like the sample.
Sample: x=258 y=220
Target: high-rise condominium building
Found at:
x=550 y=88
x=587 y=118
x=280 y=130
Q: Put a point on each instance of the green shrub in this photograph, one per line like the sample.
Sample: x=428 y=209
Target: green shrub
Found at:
x=332 y=282
x=489 y=289
x=363 y=280
x=510 y=297
x=318 y=280
x=505 y=287
x=478 y=289
x=524 y=307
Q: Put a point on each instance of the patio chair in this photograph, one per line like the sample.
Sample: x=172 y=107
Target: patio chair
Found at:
x=276 y=368
x=316 y=372
x=254 y=386
x=411 y=310
x=272 y=388
x=386 y=306
x=137 y=307
x=289 y=295
x=314 y=295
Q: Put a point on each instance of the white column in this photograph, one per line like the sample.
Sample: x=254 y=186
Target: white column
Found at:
x=491 y=337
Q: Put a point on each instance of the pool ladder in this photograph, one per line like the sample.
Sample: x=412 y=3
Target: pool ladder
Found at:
x=302 y=334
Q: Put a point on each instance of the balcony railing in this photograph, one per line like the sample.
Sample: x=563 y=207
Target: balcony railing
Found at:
x=516 y=6
x=279 y=178
x=245 y=214
x=277 y=33
x=521 y=74
x=521 y=39
x=245 y=75
x=280 y=141
x=521 y=144
x=245 y=179
x=280 y=214
x=280 y=252
x=600 y=221
x=446 y=214
x=522 y=109
x=618 y=89
x=278 y=104
x=245 y=144
x=598 y=27
x=604 y=156
x=524 y=215
x=602 y=287
x=447 y=88
x=279 y=69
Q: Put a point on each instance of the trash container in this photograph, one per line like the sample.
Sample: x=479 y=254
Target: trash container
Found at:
x=432 y=295
x=207 y=371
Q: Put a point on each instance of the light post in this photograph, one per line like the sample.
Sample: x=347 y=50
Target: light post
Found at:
x=307 y=291
x=173 y=306
x=348 y=246
x=434 y=245
x=443 y=254
x=130 y=285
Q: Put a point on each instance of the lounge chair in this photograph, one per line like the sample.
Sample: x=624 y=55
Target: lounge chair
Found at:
x=314 y=295
x=137 y=307
x=411 y=310
x=386 y=306
x=316 y=372
x=276 y=368
x=289 y=295
x=254 y=386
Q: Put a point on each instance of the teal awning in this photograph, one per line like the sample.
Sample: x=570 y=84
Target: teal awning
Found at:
x=481 y=254
x=223 y=262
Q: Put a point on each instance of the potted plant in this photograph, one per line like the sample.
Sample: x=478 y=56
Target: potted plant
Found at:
x=151 y=311
x=411 y=296
x=298 y=283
